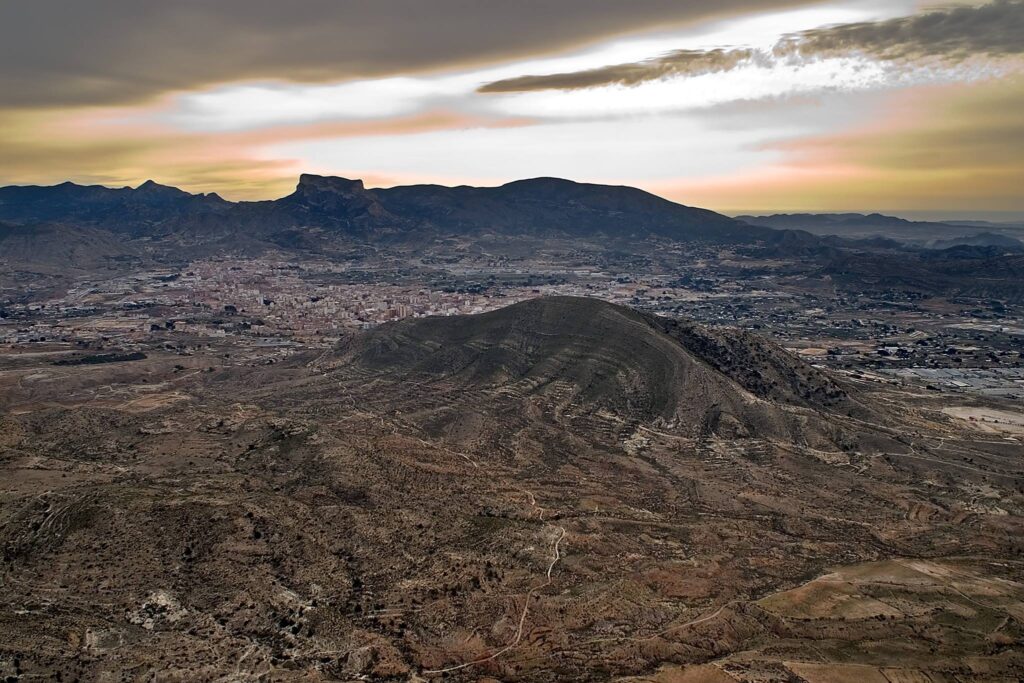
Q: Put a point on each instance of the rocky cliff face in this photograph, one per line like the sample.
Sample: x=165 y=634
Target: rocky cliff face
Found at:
x=335 y=197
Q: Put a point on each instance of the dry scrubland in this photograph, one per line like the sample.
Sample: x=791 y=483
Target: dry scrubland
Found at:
x=561 y=490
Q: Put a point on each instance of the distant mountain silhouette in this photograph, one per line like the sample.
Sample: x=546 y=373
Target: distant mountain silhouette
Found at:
x=540 y=207
x=981 y=272
x=545 y=206
x=133 y=211
x=982 y=239
x=931 y=234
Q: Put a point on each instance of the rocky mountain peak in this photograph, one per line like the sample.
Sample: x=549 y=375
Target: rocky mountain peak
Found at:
x=340 y=197
x=310 y=183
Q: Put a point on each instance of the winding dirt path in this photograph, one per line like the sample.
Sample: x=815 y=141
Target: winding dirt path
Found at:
x=663 y=632
x=556 y=556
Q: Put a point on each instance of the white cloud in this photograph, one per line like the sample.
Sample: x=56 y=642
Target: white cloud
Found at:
x=629 y=150
x=753 y=80
x=248 y=106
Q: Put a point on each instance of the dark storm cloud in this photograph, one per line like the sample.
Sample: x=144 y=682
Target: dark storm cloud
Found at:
x=994 y=29
x=73 y=52
x=678 y=63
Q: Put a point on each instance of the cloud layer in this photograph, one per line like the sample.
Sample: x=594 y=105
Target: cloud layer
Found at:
x=957 y=34
x=100 y=52
x=677 y=63
x=733 y=104
x=994 y=29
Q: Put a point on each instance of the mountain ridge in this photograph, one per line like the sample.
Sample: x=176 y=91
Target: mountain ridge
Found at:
x=536 y=206
x=929 y=234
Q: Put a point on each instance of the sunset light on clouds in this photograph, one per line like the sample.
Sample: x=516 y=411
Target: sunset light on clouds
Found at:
x=736 y=106
x=452 y=341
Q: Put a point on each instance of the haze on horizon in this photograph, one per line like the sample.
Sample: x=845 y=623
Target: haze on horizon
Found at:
x=736 y=105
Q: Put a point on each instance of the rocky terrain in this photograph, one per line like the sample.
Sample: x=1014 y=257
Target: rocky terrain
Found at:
x=559 y=490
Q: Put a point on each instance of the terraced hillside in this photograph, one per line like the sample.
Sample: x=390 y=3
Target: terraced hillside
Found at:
x=605 y=357
x=561 y=490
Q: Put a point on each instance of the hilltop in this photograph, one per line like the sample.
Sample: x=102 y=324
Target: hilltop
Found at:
x=595 y=356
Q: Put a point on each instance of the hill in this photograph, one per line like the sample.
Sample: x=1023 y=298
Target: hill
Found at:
x=594 y=355
x=47 y=248
x=983 y=272
x=931 y=234
x=981 y=239
x=553 y=206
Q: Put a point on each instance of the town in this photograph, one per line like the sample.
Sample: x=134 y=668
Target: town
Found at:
x=276 y=305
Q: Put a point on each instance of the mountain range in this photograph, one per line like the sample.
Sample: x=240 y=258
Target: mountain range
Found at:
x=70 y=228
x=543 y=206
x=540 y=207
x=930 y=234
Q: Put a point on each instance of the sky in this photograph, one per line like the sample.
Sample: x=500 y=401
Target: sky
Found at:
x=904 y=106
